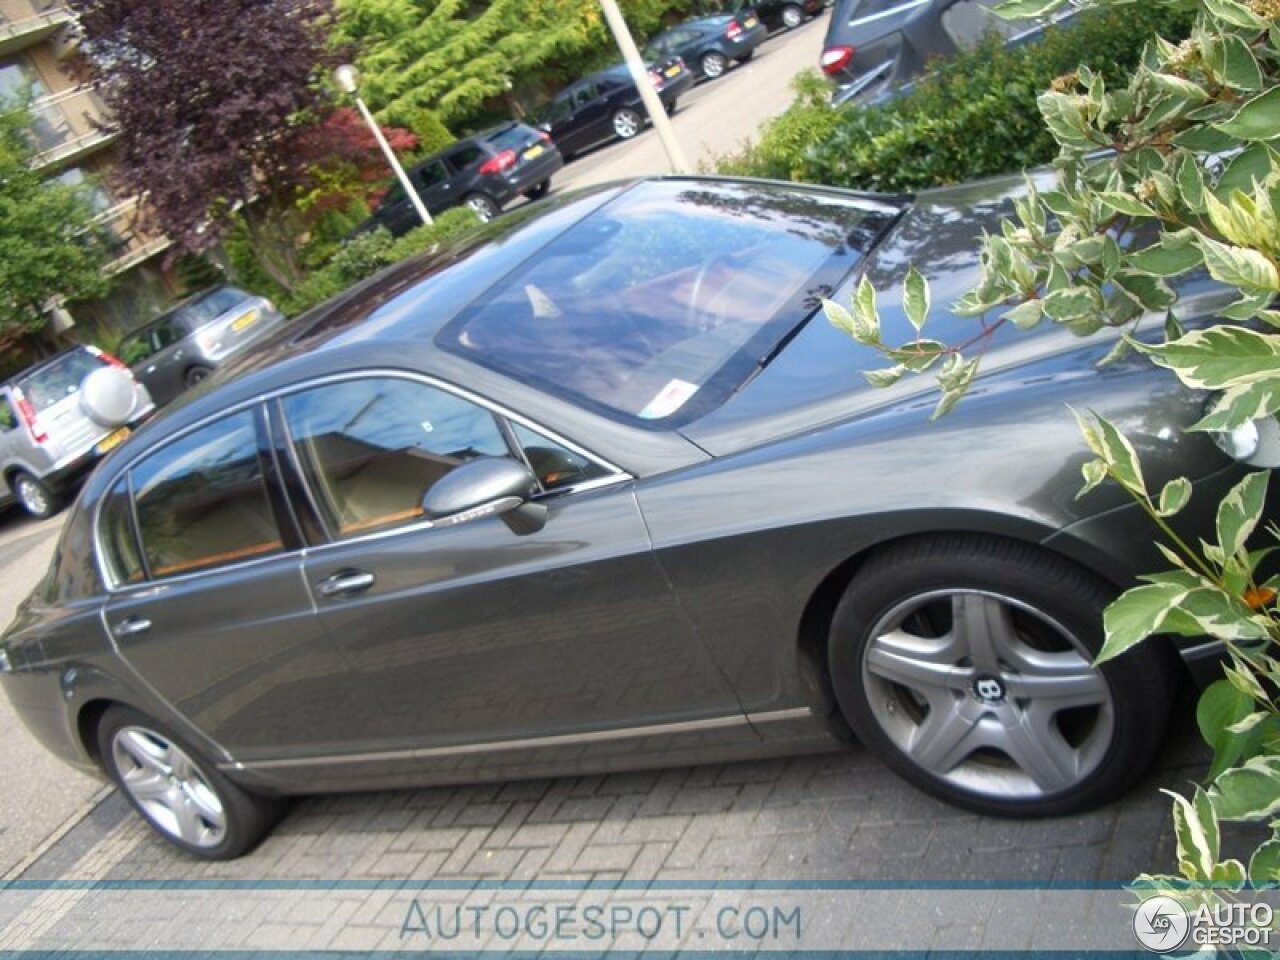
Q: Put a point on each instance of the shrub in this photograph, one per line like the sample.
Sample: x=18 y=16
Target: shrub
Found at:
x=975 y=117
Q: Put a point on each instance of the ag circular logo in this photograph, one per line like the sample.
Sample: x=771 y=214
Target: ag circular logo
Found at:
x=1161 y=923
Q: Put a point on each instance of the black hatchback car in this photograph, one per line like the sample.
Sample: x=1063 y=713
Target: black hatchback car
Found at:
x=877 y=45
x=607 y=105
x=484 y=172
x=597 y=487
x=778 y=14
x=710 y=44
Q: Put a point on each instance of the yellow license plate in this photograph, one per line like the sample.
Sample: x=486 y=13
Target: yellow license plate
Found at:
x=751 y=22
x=246 y=320
x=113 y=440
x=536 y=150
x=672 y=71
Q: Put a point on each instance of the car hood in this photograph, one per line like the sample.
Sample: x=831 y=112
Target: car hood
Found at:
x=818 y=378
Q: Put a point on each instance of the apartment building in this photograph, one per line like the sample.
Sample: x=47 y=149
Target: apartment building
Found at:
x=74 y=137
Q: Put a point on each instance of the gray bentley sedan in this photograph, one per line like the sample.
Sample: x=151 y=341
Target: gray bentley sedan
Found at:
x=600 y=488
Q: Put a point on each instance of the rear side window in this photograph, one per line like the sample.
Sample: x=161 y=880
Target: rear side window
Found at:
x=59 y=378
x=202 y=501
x=119 y=544
x=372 y=448
x=466 y=157
x=207 y=309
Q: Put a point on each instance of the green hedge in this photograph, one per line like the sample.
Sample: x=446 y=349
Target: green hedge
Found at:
x=370 y=252
x=975 y=117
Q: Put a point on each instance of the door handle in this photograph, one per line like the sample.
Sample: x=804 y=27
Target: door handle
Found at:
x=131 y=627
x=345 y=583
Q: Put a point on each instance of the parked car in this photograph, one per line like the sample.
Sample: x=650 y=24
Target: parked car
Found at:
x=607 y=105
x=60 y=417
x=710 y=44
x=779 y=14
x=598 y=489
x=874 y=46
x=484 y=172
x=185 y=344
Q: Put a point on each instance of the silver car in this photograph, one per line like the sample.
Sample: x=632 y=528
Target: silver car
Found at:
x=58 y=418
x=185 y=344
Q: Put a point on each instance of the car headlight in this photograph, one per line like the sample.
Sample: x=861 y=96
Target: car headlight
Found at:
x=1256 y=443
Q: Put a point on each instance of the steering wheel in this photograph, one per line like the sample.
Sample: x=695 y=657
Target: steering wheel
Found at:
x=695 y=317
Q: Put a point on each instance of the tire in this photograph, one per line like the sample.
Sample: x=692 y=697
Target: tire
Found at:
x=1004 y=742
x=195 y=374
x=746 y=57
x=713 y=64
x=627 y=123
x=540 y=191
x=35 y=496
x=671 y=107
x=482 y=206
x=792 y=16
x=182 y=796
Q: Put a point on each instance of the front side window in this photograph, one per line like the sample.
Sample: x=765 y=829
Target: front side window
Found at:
x=555 y=465
x=202 y=501
x=372 y=448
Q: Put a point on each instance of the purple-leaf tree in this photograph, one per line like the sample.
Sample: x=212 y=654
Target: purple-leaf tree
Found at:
x=208 y=96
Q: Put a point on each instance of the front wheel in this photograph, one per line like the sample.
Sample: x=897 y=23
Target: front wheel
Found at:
x=34 y=496
x=627 y=123
x=484 y=208
x=966 y=664
x=713 y=64
x=184 y=798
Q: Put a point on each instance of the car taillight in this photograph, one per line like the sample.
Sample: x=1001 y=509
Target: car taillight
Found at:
x=733 y=29
x=499 y=163
x=544 y=136
x=29 y=417
x=655 y=76
x=108 y=358
x=683 y=65
x=835 y=59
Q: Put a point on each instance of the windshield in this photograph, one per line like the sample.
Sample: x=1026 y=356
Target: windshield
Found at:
x=660 y=304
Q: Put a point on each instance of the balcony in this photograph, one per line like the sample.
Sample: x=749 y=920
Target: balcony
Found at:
x=130 y=246
x=27 y=22
x=68 y=126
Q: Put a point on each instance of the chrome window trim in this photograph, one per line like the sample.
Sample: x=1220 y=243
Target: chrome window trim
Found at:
x=891 y=12
x=615 y=474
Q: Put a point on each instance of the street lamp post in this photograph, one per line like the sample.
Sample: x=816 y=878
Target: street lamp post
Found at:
x=640 y=77
x=347 y=78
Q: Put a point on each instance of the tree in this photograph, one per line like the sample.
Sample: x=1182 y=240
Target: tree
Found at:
x=1189 y=180
x=49 y=246
x=207 y=95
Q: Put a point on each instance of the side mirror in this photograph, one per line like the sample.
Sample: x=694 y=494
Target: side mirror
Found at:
x=486 y=487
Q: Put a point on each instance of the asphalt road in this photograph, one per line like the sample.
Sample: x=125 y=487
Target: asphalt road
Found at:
x=39 y=796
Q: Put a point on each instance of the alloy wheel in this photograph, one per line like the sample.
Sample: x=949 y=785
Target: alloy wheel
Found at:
x=626 y=124
x=987 y=694
x=792 y=17
x=168 y=787
x=32 y=495
x=713 y=65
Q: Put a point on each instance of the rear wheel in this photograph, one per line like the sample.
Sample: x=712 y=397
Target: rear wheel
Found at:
x=195 y=374
x=183 y=797
x=792 y=16
x=627 y=123
x=540 y=191
x=484 y=208
x=966 y=664
x=713 y=64
x=34 y=496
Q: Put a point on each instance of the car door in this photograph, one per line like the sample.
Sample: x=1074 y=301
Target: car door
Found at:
x=207 y=603
x=466 y=637
x=557 y=121
x=165 y=368
x=437 y=187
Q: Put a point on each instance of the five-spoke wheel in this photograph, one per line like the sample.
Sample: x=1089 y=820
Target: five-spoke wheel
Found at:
x=967 y=664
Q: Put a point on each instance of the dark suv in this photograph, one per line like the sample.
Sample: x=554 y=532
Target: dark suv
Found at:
x=873 y=46
x=607 y=104
x=778 y=14
x=485 y=172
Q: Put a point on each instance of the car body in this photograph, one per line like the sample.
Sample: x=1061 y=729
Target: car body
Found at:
x=51 y=432
x=875 y=46
x=598 y=488
x=779 y=14
x=186 y=343
x=484 y=172
x=607 y=104
x=710 y=44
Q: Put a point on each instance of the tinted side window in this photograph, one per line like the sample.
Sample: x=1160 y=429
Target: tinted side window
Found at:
x=584 y=95
x=371 y=449
x=430 y=174
x=558 y=109
x=116 y=533
x=201 y=502
x=465 y=157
